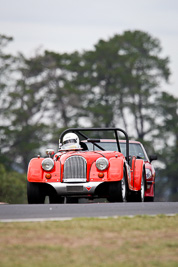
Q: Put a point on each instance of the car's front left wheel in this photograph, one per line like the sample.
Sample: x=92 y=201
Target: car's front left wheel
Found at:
x=35 y=194
x=118 y=190
x=140 y=197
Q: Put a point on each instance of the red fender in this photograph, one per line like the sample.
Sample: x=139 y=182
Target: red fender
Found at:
x=136 y=175
x=115 y=172
x=37 y=174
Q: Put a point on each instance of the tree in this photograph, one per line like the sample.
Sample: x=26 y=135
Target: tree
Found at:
x=43 y=102
x=63 y=94
x=13 y=187
x=168 y=134
x=125 y=74
x=102 y=72
x=6 y=82
x=26 y=109
x=145 y=71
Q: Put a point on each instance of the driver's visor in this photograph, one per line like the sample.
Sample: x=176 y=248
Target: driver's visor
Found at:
x=70 y=141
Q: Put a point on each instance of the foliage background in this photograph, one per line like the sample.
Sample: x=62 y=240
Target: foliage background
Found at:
x=119 y=83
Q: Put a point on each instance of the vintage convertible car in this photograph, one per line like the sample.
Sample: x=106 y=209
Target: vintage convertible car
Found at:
x=97 y=169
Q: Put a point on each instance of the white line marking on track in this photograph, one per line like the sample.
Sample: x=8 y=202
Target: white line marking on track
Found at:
x=70 y=218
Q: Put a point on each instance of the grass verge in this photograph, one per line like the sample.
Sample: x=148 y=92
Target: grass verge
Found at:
x=123 y=241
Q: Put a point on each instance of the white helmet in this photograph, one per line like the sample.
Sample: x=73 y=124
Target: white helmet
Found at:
x=70 y=141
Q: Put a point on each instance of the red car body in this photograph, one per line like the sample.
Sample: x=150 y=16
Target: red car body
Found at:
x=91 y=173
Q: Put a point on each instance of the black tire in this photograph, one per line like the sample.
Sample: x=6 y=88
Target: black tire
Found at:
x=149 y=199
x=55 y=199
x=70 y=200
x=140 y=196
x=118 y=190
x=131 y=196
x=35 y=194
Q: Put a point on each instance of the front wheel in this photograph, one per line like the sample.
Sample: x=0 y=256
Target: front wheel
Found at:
x=149 y=199
x=123 y=189
x=70 y=200
x=55 y=199
x=141 y=193
x=35 y=194
x=118 y=190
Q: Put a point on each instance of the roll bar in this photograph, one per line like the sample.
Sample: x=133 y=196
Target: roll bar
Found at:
x=115 y=130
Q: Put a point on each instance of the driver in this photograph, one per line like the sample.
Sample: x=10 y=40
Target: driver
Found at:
x=70 y=141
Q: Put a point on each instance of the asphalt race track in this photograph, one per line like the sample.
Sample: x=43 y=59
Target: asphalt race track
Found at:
x=68 y=211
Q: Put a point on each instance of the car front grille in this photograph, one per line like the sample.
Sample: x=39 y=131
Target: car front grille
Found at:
x=74 y=189
x=75 y=168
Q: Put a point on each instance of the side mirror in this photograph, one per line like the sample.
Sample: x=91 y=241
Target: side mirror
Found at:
x=49 y=152
x=153 y=157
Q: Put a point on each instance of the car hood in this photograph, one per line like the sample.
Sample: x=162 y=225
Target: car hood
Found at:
x=90 y=155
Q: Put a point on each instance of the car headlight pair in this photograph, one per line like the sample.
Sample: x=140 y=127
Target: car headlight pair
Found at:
x=102 y=164
x=47 y=164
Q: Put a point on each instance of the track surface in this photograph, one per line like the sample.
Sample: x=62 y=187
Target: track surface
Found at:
x=68 y=211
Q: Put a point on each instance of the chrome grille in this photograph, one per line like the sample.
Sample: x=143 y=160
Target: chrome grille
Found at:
x=75 y=168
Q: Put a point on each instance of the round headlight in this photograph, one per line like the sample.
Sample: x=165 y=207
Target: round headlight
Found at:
x=148 y=173
x=102 y=164
x=47 y=164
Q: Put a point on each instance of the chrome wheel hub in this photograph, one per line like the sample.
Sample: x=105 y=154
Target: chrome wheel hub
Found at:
x=123 y=188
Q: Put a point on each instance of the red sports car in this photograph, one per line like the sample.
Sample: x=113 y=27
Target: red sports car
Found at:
x=90 y=167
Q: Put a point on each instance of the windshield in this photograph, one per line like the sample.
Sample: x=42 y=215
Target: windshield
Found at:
x=134 y=148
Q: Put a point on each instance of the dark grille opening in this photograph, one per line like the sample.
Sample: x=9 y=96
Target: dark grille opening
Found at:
x=74 y=188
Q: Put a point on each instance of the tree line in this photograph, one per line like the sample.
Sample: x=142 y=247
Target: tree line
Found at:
x=119 y=83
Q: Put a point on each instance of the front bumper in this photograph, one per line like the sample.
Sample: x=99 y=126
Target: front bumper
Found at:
x=68 y=189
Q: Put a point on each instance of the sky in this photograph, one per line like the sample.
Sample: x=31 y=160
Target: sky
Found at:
x=77 y=25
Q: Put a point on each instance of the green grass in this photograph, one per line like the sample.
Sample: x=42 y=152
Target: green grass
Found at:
x=123 y=241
